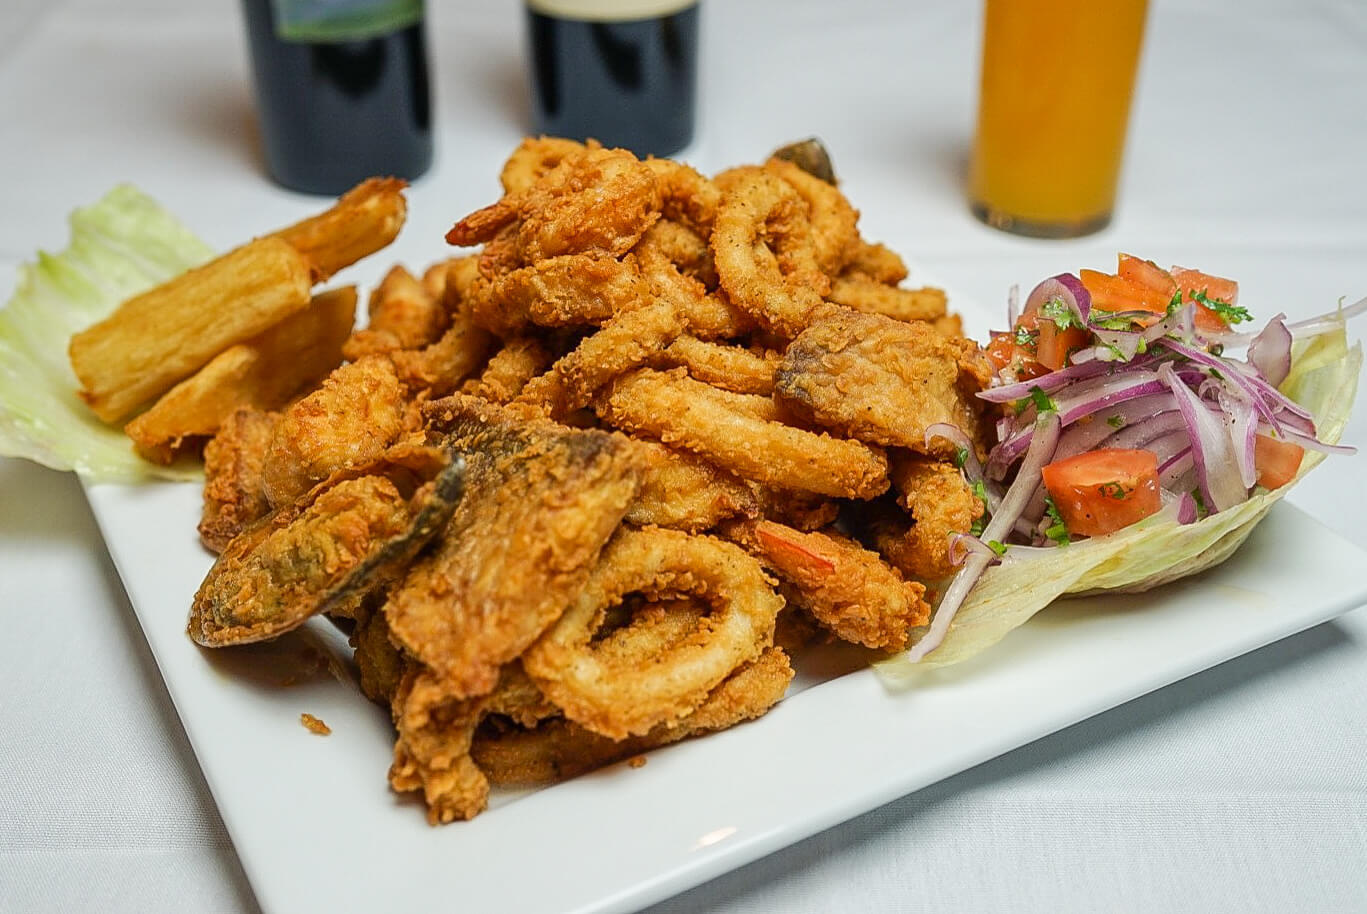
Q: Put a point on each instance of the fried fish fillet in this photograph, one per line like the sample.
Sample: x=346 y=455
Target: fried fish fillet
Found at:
x=234 y=494
x=540 y=501
x=883 y=381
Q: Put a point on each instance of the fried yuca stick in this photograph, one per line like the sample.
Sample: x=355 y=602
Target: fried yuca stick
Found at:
x=263 y=373
x=159 y=338
x=364 y=219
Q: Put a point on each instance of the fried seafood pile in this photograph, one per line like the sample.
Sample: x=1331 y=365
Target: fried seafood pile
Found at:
x=583 y=492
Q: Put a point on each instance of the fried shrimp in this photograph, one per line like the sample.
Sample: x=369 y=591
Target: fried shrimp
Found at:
x=533 y=159
x=686 y=413
x=847 y=588
x=620 y=696
x=941 y=504
x=566 y=291
x=594 y=200
x=403 y=315
x=765 y=256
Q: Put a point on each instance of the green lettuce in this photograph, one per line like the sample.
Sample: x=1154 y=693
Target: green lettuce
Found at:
x=122 y=245
x=1323 y=379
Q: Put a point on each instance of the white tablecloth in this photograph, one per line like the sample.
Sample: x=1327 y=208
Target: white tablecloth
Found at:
x=1243 y=788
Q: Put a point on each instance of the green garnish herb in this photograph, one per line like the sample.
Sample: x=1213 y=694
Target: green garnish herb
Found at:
x=1115 y=421
x=1057 y=310
x=960 y=457
x=1201 y=509
x=1057 y=531
x=1175 y=304
x=1112 y=490
x=997 y=547
x=979 y=490
x=1109 y=320
x=1038 y=398
x=1232 y=314
x=1026 y=337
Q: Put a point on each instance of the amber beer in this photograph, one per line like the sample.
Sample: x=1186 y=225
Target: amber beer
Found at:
x=1054 y=103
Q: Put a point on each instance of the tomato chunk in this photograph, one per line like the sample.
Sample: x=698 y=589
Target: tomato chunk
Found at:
x=1117 y=293
x=1099 y=492
x=1147 y=274
x=1009 y=356
x=1216 y=288
x=1276 y=461
x=1055 y=345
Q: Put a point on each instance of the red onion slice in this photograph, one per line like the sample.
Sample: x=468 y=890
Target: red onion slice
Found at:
x=1212 y=448
x=1066 y=288
x=1270 y=351
x=1042 y=444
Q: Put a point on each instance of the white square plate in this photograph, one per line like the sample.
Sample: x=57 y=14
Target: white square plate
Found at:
x=317 y=828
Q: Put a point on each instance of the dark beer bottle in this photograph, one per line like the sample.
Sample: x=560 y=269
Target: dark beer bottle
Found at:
x=623 y=72
x=342 y=90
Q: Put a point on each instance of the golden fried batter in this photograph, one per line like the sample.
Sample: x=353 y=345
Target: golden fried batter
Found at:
x=882 y=380
x=234 y=494
x=540 y=502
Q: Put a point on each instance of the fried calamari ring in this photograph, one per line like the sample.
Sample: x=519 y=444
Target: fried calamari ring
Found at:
x=835 y=231
x=744 y=371
x=533 y=159
x=686 y=413
x=619 y=696
x=924 y=304
x=686 y=196
x=766 y=260
x=557 y=749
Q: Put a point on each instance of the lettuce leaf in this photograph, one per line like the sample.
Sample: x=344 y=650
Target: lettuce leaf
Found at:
x=1323 y=379
x=120 y=246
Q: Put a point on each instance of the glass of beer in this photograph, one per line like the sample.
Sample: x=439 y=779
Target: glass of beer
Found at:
x=1053 y=107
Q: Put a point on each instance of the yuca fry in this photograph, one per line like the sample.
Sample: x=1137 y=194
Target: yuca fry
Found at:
x=159 y=338
x=695 y=416
x=364 y=219
x=262 y=373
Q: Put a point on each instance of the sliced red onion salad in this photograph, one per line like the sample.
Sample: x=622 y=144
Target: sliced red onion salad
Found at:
x=1167 y=387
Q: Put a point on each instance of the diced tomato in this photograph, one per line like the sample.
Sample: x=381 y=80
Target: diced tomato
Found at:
x=1118 y=293
x=1055 y=345
x=1099 y=492
x=1147 y=274
x=1214 y=287
x=1276 y=461
x=1008 y=355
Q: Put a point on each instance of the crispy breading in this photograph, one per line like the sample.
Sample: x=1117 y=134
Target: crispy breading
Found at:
x=882 y=380
x=234 y=491
x=540 y=502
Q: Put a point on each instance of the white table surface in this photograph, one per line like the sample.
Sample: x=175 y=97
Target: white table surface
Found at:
x=1243 y=788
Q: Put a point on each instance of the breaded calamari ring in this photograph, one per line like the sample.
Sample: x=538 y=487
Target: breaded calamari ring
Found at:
x=923 y=304
x=557 y=749
x=733 y=368
x=835 y=231
x=533 y=159
x=620 y=696
x=766 y=260
x=683 y=412
x=686 y=196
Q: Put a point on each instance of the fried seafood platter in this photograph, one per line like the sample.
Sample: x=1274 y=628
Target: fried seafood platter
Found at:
x=598 y=479
x=587 y=485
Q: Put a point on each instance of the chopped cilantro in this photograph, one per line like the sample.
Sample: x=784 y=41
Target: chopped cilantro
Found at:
x=1109 y=320
x=1057 y=529
x=1232 y=314
x=1175 y=304
x=1113 y=490
x=1026 y=337
x=1201 y=509
x=979 y=490
x=1057 y=310
x=997 y=547
x=1038 y=399
x=960 y=457
x=1116 y=421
